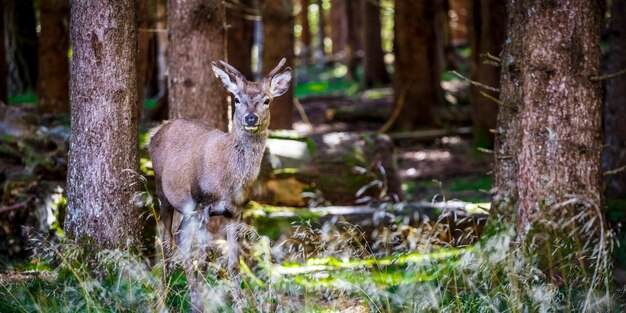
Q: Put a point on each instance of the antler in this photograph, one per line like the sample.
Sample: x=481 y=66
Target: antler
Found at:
x=239 y=78
x=277 y=68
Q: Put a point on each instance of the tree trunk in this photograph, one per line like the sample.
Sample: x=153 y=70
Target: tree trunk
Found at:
x=305 y=36
x=197 y=36
x=339 y=25
x=374 y=71
x=240 y=37
x=54 y=69
x=615 y=112
x=103 y=158
x=417 y=66
x=4 y=71
x=549 y=141
x=354 y=44
x=487 y=19
x=321 y=34
x=144 y=10
x=24 y=46
x=278 y=40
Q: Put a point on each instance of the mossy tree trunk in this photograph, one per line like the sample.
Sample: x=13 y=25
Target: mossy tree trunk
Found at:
x=487 y=19
x=54 y=69
x=197 y=36
x=615 y=110
x=417 y=78
x=103 y=156
x=278 y=41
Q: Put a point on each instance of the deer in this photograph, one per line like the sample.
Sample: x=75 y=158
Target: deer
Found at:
x=203 y=172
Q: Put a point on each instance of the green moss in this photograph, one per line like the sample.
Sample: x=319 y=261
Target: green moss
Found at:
x=472 y=183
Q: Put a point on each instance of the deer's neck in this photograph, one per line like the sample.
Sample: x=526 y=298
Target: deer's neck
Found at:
x=248 y=152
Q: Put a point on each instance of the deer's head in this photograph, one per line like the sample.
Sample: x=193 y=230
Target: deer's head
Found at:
x=252 y=100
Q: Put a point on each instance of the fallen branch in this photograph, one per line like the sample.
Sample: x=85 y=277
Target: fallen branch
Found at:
x=615 y=171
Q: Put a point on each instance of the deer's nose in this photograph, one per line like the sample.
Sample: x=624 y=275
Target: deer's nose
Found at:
x=251 y=119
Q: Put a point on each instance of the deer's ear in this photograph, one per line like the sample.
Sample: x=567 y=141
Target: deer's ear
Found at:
x=228 y=83
x=280 y=83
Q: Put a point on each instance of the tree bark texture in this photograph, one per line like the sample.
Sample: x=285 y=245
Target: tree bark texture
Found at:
x=240 y=37
x=487 y=22
x=54 y=69
x=197 y=37
x=278 y=41
x=103 y=157
x=374 y=70
x=339 y=25
x=417 y=65
x=549 y=126
x=615 y=110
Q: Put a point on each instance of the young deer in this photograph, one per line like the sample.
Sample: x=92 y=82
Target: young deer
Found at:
x=202 y=172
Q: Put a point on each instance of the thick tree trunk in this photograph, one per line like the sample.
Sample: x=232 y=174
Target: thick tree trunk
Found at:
x=615 y=112
x=278 y=40
x=144 y=13
x=374 y=71
x=103 y=157
x=339 y=25
x=549 y=141
x=54 y=69
x=240 y=37
x=486 y=19
x=417 y=66
x=197 y=36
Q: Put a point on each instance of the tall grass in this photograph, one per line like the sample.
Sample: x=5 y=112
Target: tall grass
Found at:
x=334 y=268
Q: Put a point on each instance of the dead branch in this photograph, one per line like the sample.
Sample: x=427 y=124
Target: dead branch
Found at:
x=475 y=83
x=615 y=171
x=608 y=76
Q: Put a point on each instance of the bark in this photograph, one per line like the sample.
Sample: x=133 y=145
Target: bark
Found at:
x=143 y=9
x=615 y=111
x=54 y=70
x=417 y=65
x=4 y=71
x=240 y=37
x=486 y=20
x=103 y=158
x=374 y=71
x=278 y=41
x=306 y=29
x=197 y=37
x=549 y=141
x=339 y=25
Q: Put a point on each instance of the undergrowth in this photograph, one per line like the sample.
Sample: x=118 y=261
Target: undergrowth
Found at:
x=327 y=269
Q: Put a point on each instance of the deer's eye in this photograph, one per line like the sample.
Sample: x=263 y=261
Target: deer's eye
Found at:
x=266 y=101
x=237 y=100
